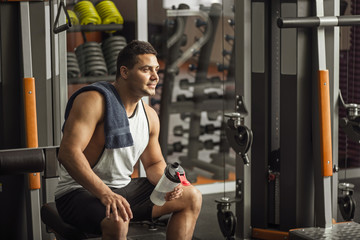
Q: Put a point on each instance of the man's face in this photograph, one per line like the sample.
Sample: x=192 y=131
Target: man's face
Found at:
x=143 y=77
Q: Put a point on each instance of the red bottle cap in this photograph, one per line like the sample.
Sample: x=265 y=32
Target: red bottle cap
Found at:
x=183 y=179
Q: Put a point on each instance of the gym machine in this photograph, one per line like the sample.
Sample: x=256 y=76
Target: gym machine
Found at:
x=28 y=51
x=285 y=182
x=17 y=193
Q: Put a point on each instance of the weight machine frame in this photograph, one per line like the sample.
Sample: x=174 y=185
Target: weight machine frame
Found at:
x=271 y=65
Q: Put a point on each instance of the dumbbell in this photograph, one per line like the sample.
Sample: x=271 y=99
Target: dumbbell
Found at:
x=214 y=82
x=229 y=38
x=210 y=144
x=212 y=116
x=210 y=128
x=213 y=95
x=178 y=147
x=183 y=40
x=185 y=115
x=183 y=98
x=226 y=53
x=196 y=53
x=210 y=95
x=179 y=131
x=200 y=23
x=222 y=67
x=175 y=147
x=231 y=22
x=192 y=67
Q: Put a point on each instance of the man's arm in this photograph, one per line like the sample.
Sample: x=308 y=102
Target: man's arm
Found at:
x=86 y=113
x=152 y=158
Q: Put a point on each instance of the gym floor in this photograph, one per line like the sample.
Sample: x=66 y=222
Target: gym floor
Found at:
x=207 y=227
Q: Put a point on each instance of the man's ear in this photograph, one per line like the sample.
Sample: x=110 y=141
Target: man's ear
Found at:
x=124 y=72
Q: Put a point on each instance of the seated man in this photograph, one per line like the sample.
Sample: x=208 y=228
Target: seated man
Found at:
x=107 y=129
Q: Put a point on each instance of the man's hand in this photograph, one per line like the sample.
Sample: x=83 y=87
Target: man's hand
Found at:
x=177 y=193
x=117 y=206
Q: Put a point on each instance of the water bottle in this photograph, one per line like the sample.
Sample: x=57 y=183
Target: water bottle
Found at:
x=173 y=175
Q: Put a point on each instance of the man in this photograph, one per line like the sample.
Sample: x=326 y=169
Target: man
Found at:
x=99 y=150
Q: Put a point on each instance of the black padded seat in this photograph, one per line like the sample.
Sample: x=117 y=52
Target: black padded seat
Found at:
x=62 y=230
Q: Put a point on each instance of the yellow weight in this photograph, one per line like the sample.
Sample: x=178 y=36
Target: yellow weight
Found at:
x=87 y=13
x=109 y=12
x=74 y=19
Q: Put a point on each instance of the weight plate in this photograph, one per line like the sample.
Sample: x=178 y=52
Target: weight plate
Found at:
x=94 y=64
x=112 y=51
x=114 y=45
x=94 y=59
x=112 y=39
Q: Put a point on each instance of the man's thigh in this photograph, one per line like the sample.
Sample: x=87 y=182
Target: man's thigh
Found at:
x=84 y=211
x=81 y=209
x=137 y=193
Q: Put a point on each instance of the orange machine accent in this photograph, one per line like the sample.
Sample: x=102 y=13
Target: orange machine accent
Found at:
x=325 y=123
x=259 y=233
x=31 y=125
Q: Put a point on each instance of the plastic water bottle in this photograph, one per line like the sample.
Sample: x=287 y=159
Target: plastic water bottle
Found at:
x=173 y=175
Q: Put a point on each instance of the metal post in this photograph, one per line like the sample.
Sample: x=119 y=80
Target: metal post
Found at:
x=30 y=109
x=142 y=34
x=243 y=85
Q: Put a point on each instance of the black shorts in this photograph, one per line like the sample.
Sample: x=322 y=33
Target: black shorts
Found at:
x=84 y=211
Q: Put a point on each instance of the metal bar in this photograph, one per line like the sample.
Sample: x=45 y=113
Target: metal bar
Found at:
x=142 y=35
x=26 y=39
x=141 y=20
x=243 y=80
x=94 y=28
x=324 y=21
x=323 y=132
x=30 y=116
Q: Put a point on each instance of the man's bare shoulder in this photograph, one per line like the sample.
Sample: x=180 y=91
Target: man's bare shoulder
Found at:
x=152 y=116
x=89 y=103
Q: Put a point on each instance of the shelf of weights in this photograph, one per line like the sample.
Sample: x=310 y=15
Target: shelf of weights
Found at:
x=93 y=28
x=96 y=28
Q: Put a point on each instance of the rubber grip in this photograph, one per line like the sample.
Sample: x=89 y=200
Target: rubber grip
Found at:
x=30 y=113
x=31 y=125
x=61 y=28
x=325 y=123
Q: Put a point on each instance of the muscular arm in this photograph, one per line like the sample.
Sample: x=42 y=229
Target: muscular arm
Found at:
x=152 y=158
x=86 y=114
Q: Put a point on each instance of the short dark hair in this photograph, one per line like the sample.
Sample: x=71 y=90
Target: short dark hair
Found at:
x=128 y=55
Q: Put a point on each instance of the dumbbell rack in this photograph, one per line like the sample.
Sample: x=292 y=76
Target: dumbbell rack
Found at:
x=171 y=71
x=195 y=105
x=92 y=28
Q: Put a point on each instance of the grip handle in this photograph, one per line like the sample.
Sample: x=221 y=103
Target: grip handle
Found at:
x=325 y=123
x=61 y=28
x=31 y=125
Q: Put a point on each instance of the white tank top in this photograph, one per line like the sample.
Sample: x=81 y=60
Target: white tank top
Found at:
x=115 y=165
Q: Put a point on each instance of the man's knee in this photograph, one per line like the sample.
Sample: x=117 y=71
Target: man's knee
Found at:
x=194 y=199
x=114 y=230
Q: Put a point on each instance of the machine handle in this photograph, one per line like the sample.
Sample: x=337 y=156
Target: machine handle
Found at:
x=65 y=26
x=31 y=125
x=325 y=123
x=309 y=22
x=61 y=28
x=20 y=161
